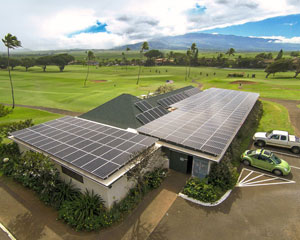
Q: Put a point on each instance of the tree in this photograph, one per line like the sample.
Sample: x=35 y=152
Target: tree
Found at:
x=154 y=54
x=295 y=54
x=231 y=51
x=144 y=47
x=296 y=64
x=188 y=62
x=11 y=42
x=44 y=62
x=90 y=56
x=281 y=65
x=279 y=56
x=27 y=63
x=144 y=162
x=14 y=62
x=61 y=60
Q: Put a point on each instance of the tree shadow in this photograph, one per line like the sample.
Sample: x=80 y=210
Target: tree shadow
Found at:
x=26 y=226
x=223 y=207
x=141 y=231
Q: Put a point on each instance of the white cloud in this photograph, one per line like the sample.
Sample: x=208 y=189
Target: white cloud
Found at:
x=280 y=39
x=46 y=24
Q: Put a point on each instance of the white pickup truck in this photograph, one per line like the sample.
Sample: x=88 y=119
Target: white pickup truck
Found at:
x=278 y=138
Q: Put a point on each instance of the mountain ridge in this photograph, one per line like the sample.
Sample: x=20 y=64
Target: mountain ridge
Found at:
x=208 y=41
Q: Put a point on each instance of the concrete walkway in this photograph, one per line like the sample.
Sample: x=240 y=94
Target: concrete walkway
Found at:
x=26 y=217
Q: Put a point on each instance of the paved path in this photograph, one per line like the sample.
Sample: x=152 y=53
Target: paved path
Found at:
x=53 y=110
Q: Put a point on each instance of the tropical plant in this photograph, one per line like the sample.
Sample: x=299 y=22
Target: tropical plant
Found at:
x=90 y=56
x=64 y=192
x=144 y=47
x=11 y=42
x=83 y=212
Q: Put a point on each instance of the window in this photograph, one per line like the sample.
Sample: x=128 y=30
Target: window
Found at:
x=283 y=138
x=72 y=174
x=276 y=137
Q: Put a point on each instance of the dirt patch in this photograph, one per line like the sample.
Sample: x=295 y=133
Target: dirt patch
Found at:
x=53 y=110
x=243 y=82
x=98 y=80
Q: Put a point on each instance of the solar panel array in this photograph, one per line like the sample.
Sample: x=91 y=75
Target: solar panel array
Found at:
x=168 y=101
x=205 y=122
x=93 y=147
x=143 y=105
x=152 y=114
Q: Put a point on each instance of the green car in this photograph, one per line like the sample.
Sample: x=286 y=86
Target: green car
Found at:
x=266 y=160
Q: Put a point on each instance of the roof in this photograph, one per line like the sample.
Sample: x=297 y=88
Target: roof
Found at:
x=88 y=147
x=279 y=132
x=205 y=122
x=121 y=111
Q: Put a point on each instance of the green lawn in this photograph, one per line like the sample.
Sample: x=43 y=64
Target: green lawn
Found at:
x=37 y=116
x=65 y=89
x=275 y=116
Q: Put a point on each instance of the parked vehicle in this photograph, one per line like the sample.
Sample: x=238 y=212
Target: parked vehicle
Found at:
x=279 y=139
x=266 y=160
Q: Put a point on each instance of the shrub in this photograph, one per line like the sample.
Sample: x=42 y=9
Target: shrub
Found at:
x=223 y=175
x=200 y=190
x=85 y=212
x=154 y=179
x=36 y=171
x=7 y=128
x=63 y=192
x=4 y=110
x=10 y=152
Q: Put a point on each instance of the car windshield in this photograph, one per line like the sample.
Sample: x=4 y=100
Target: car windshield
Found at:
x=268 y=133
x=275 y=159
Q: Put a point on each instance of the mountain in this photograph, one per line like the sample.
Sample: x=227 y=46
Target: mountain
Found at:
x=207 y=41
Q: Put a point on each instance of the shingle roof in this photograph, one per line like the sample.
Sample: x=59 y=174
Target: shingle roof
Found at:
x=121 y=111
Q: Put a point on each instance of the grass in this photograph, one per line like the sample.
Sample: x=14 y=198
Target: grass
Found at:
x=275 y=116
x=65 y=90
x=37 y=116
x=298 y=106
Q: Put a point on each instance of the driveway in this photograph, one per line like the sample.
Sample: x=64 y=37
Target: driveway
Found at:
x=265 y=211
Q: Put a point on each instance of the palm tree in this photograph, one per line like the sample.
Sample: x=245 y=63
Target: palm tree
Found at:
x=188 y=62
x=127 y=50
x=144 y=47
x=11 y=42
x=90 y=56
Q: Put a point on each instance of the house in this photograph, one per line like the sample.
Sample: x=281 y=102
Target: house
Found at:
x=98 y=148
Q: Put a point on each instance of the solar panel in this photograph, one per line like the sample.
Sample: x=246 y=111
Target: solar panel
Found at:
x=96 y=148
x=143 y=105
x=151 y=114
x=205 y=122
x=168 y=101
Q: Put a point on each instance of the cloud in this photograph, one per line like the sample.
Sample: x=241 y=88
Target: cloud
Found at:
x=280 y=39
x=77 y=24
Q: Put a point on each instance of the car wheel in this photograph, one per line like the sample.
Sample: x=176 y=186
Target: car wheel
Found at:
x=277 y=172
x=247 y=163
x=296 y=150
x=261 y=143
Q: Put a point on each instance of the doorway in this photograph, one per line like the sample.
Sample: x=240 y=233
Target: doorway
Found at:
x=189 y=164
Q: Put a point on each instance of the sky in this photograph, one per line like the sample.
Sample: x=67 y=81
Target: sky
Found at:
x=104 y=24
